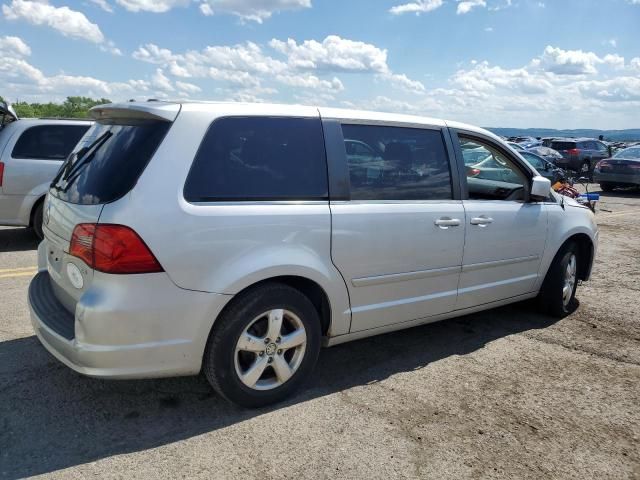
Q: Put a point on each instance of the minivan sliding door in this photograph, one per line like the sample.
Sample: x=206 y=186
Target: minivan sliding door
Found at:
x=398 y=236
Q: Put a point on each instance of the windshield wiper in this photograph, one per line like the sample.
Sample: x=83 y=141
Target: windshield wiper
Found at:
x=87 y=153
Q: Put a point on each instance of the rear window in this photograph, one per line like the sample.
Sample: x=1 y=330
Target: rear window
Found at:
x=259 y=158
x=48 y=142
x=563 y=145
x=108 y=162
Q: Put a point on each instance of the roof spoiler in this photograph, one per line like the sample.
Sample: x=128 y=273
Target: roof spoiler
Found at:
x=7 y=113
x=115 y=112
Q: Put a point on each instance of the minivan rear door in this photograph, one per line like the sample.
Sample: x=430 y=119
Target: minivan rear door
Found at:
x=105 y=166
x=397 y=233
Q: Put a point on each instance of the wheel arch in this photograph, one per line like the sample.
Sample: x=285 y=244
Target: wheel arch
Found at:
x=34 y=207
x=316 y=294
x=586 y=249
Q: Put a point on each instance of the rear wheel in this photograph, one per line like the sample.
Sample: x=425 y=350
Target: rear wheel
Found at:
x=264 y=346
x=37 y=221
x=607 y=187
x=557 y=296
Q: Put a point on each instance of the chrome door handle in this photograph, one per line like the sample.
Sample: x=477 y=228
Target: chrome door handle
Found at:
x=446 y=222
x=481 y=221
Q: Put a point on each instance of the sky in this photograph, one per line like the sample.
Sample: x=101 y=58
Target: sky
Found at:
x=494 y=63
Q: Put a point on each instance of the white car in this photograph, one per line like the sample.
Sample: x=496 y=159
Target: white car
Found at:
x=236 y=239
x=31 y=153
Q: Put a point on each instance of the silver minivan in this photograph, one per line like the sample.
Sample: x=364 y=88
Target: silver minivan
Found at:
x=31 y=153
x=237 y=239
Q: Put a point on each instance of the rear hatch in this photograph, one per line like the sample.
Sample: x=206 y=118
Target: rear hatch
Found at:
x=563 y=148
x=104 y=167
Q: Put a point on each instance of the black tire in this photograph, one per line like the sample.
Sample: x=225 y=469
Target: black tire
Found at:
x=36 y=223
x=219 y=359
x=607 y=187
x=551 y=299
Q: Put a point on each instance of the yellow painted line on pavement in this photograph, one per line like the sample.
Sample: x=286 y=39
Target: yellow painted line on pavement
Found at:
x=30 y=273
x=16 y=270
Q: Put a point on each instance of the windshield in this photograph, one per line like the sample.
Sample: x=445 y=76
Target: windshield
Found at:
x=107 y=162
x=629 y=153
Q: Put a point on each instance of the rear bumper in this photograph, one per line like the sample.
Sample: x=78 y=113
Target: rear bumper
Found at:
x=115 y=336
x=618 y=178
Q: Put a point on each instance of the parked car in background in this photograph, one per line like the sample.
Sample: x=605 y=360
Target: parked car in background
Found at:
x=516 y=146
x=31 y=152
x=546 y=152
x=544 y=167
x=621 y=170
x=580 y=154
x=239 y=238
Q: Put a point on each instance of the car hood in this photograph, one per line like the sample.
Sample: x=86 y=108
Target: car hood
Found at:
x=7 y=113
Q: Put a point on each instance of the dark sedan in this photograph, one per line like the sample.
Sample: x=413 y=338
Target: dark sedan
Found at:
x=544 y=167
x=621 y=170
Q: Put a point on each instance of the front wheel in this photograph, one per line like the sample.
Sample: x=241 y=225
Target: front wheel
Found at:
x=558 y=294
x=264 y=346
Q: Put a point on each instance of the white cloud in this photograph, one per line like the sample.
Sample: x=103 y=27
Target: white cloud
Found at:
x=614 y=60
x=161 y=81
x=621 y=89
x=403 y=82
x=488 y=29
x=206 y=9
x=634 y=63
x=68 y=22
x=569 y=62
x=311 y=82
x=417 y=7
x=333 y=54
x=254 y=10
x=103 y=4
x=188 y=87
x=155 y=6
x=465 y=6
x=14 y=47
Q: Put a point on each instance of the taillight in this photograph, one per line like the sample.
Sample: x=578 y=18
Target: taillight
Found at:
x=1 y=172
x=112 y=249
x=603 y=163
x=574 y=151
x=473 y=172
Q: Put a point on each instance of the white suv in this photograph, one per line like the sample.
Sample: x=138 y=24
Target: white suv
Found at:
x=31 y=153
x=236 y=239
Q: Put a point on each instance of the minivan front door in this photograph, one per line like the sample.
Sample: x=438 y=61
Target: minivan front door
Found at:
x=505 y=236
x=398 y=240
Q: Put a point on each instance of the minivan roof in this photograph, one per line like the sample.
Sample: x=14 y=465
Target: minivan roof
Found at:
x=168 y=110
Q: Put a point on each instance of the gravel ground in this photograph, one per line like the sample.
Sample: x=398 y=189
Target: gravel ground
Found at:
x=501 y=394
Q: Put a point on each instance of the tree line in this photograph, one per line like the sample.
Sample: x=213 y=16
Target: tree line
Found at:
x=72 y=107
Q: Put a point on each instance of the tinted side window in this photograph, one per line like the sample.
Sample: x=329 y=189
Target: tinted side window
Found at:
x=48 y=142
x=396 y=163
x=491 y=175
x=259 y=158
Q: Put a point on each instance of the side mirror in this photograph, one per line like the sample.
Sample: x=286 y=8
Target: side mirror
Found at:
x=540 y=188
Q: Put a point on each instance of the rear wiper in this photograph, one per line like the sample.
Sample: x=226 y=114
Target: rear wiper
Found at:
x=85 y=155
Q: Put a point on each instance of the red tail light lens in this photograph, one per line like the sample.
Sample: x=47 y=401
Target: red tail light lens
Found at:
x=574 y=151
x=1 y=172
x=473 y=172
x=112 y=249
